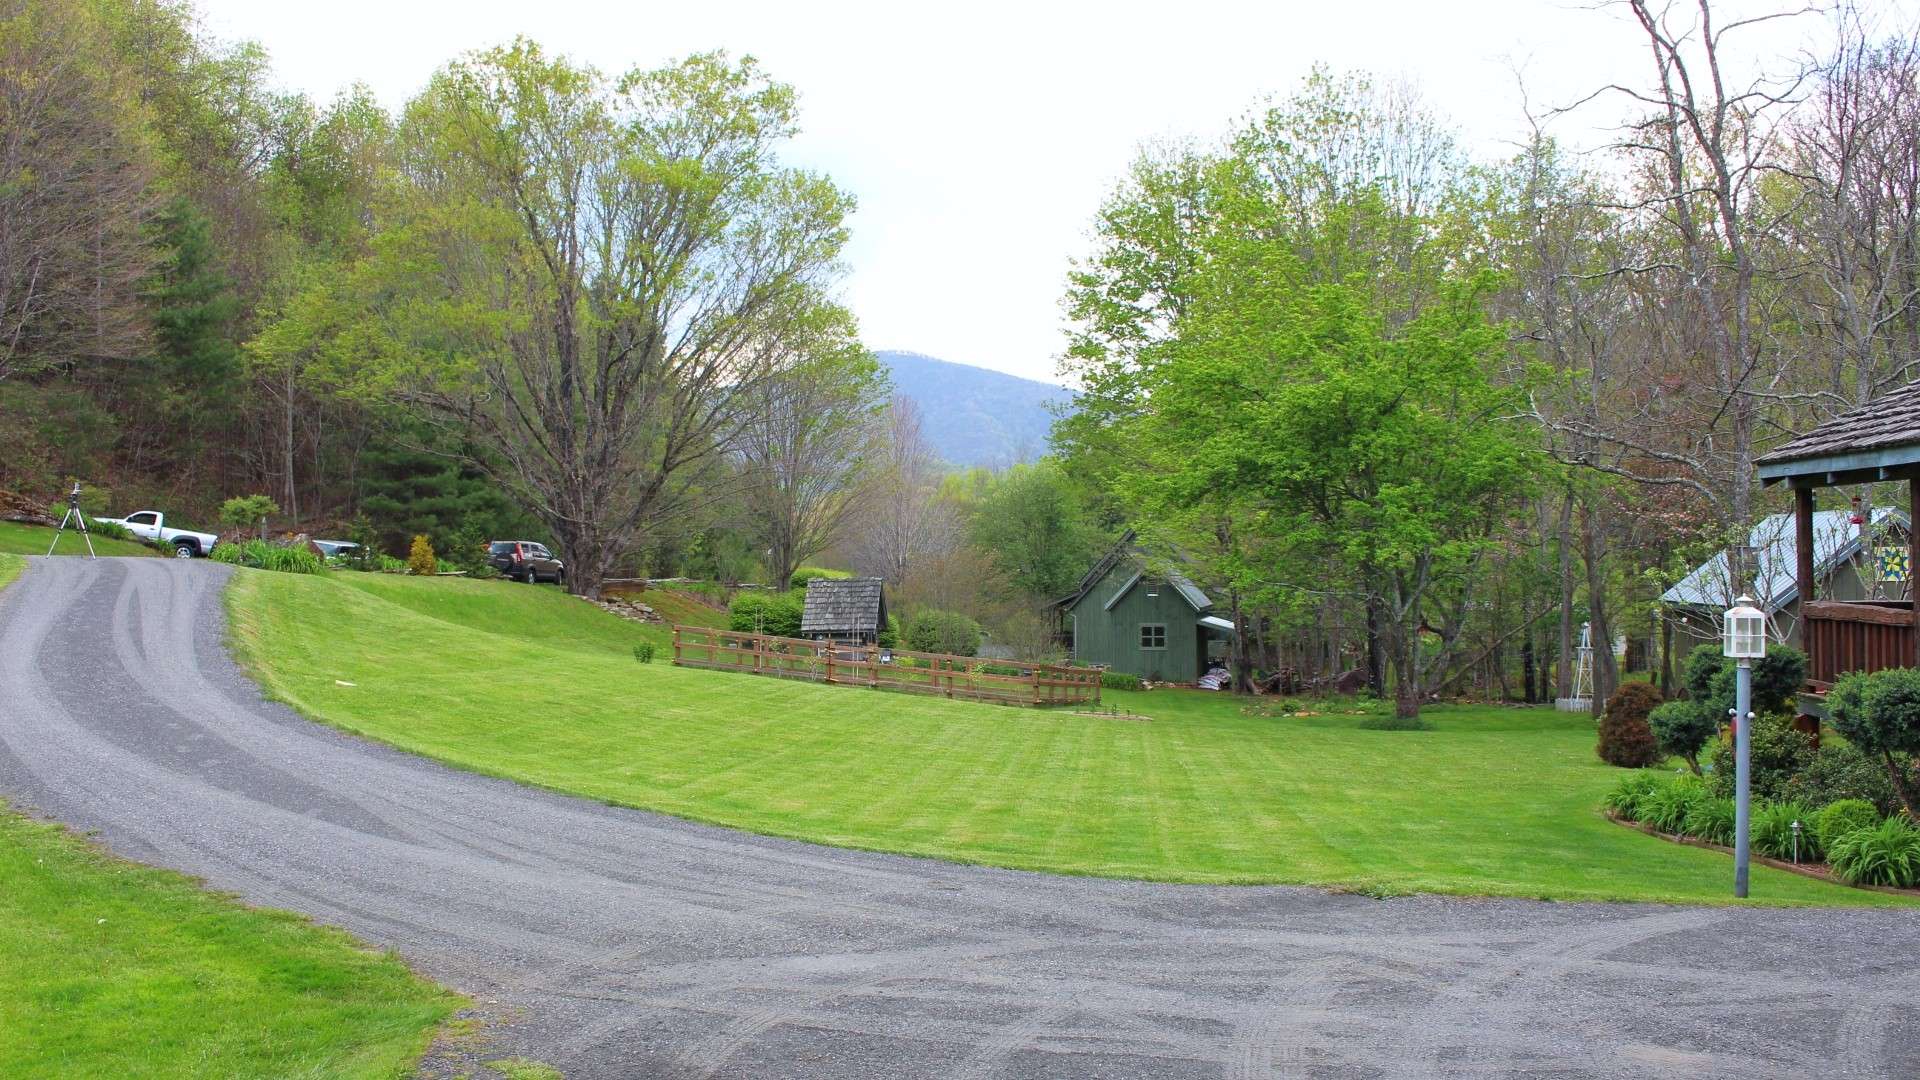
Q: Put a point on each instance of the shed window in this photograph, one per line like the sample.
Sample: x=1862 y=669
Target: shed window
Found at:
x=1153 y=635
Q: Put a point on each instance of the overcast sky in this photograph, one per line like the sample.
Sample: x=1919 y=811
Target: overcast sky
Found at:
x=981 y=138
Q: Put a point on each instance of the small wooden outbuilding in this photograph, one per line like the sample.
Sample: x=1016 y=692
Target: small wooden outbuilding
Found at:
x=848 y=611
x=1126 y=617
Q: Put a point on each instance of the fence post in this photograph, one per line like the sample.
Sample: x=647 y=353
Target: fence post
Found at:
x=676 y=644
x=873 y=664
x=759 y=652
x=829 y=660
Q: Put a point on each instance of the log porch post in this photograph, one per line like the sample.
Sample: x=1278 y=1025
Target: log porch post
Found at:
x=1913 y=559
x=1803 y=558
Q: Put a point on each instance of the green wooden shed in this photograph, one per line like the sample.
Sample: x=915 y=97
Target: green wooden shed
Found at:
x=1159 y=626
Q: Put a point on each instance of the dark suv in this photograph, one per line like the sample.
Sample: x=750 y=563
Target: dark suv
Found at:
x=524 y=560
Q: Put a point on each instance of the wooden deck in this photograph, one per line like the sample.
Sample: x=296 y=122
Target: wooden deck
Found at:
x=965 y=677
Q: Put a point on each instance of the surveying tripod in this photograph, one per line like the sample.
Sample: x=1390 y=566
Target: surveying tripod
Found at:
x=79 y=520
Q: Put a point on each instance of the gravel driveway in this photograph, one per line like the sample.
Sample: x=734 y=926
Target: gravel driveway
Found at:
x=626 y=944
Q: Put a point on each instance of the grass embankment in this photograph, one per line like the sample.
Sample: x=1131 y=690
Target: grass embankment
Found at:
x=112 y=969
x=684 y=608
x=18 y=539
x=531 y=684
x=10 y=567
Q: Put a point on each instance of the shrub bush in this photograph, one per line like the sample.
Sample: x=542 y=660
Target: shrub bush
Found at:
x=1119 y=680
x=420 y=557
x=262 y=555
x=1883 y=854
x=934 y=631
x=1880 y=714
x=1625 y=738
x=111 y=530
x=1710 y=819
x=1777 y=678
x=232 y=554
x=812 y=573
x=1683 y=729
x=1666 y=807
x=1771 y=831
x=1703 y=666
x=765 y=613
x=643 y=652
x=1633 y=788
x=1779 y=753
x=1840 y=771
x=1835 y=821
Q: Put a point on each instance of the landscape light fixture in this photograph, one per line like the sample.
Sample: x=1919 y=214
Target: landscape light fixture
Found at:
x=1744 y=641
x=1796 y=839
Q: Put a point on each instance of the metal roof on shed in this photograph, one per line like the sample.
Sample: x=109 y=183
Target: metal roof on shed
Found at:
x=1834 y=542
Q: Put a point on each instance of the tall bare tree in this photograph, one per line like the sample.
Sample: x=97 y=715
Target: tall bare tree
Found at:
x=810 y=444
x=76 y=192
x=905 y=520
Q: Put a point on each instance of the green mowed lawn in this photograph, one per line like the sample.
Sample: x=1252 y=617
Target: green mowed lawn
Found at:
x=529 y=683
x=18 y=539
x=112 y=969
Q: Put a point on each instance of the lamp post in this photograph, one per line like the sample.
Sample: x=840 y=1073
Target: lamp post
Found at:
x=1744 y=641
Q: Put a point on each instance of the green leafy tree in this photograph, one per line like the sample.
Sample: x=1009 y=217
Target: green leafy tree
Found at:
x=931 y=630
x=589 y=277
x=1388 y=453
x=248 y=512
x=1033 y=521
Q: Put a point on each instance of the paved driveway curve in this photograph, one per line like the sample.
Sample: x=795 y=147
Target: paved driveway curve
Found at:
x=631 y=944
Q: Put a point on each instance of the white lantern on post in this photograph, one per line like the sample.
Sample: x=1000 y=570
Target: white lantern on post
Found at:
x=1745 y=637
x=1744 y=641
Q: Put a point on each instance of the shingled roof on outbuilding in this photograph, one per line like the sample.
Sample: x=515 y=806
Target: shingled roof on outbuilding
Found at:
x=1863 y=444
x=844 y=607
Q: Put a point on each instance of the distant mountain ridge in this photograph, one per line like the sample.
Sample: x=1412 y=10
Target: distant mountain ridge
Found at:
x=974 y=416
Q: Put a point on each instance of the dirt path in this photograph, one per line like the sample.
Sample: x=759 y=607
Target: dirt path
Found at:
x=635 y=945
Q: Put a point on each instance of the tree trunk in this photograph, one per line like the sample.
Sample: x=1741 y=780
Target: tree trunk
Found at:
x=1563 y=670
x=1242 y=657
x=1606 y=671
x=1666 y=656
x=1527 y=684
x=1406 y=674
x=1376 y=654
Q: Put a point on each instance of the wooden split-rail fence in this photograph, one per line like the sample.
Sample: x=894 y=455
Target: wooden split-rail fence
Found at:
x=968 y=677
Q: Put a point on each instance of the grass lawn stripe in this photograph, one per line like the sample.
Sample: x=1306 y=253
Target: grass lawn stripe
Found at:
x=528 y=683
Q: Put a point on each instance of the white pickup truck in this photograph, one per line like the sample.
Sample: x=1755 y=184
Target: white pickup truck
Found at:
x=152 y=525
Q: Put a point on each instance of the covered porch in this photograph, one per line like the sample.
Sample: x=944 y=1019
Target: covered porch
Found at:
x=1876 y=443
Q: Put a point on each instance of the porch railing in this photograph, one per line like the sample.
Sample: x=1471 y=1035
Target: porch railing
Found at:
x=1843 y=637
